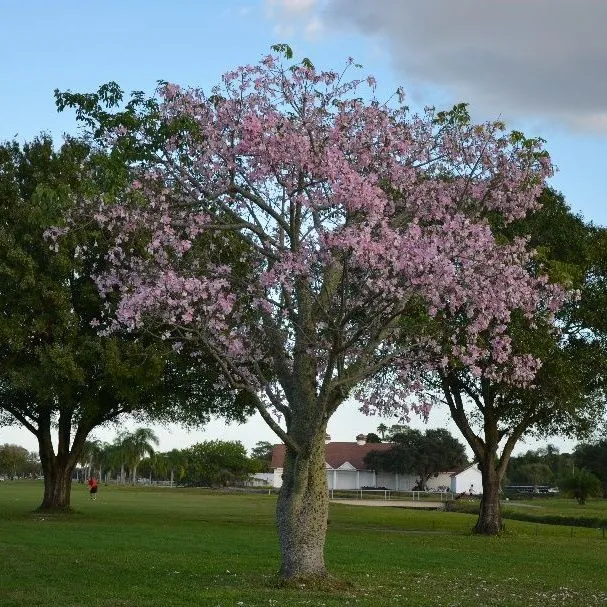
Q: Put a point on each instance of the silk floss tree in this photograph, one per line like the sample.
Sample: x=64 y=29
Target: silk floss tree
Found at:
x=352 y=221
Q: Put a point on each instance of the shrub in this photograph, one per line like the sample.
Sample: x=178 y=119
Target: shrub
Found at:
x=581 y=485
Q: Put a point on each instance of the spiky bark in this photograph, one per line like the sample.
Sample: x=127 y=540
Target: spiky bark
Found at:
x=302 y=511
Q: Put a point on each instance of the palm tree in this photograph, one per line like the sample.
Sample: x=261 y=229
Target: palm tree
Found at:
x=137 y=445
x=118 y=453
x=109 y=460
x=176 y=461
x=90 y=454
x=382 y=429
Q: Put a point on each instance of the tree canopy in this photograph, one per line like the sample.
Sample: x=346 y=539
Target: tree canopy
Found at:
x=56 y=370
x=592 y=456
x=567 y=394
x=354 y=219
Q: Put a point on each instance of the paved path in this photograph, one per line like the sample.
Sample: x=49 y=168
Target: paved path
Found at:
x=392 y=503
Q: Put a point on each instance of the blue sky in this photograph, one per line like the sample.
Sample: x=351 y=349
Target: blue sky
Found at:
x=536 y=65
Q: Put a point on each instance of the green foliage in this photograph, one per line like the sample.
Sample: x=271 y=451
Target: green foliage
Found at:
x=581 y=485
x=421 y=454
x=217 y=463
x=283 y=49
x=382 y=429
x=56 y=370
x=458 y=114
x=538 y=467
x=262 y=452
x=567 y=395
x=15 y=461
x=593 y=457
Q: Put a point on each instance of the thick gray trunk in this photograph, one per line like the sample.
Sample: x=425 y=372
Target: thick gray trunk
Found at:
x=57 y=483
x=302 y=511
x=490 y=515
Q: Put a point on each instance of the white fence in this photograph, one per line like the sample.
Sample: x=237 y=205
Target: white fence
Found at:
x=389 y=494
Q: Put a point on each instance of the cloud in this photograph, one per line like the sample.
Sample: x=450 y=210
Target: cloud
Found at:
x=543 y=58
x=292 y=16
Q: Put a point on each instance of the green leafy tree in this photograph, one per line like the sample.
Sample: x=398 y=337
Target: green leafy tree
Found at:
x=581 y=485
x=567 y=394
x=218 y=463
x=394 y=430
x=421 y=454
x=56 y=372
x=176 y=463
x=538 y=467
x=536 y=474
x=106 y=460
x=136 y=446
x=15 y=461
x=593 y=457
x=89 y=456
x=262 y=452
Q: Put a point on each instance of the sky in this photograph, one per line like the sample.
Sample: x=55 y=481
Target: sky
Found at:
x=539 y=65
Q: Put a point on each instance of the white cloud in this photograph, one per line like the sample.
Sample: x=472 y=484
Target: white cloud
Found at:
x=293 y=16
x=543 y=58
x=298 y=6
x=284 y=31
x=314 y=27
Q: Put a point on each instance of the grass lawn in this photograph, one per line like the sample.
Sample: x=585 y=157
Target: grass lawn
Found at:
x=593 y=508
x=170 y=547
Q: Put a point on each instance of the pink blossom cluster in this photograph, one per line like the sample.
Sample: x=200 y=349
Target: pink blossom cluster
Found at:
x=291 y=223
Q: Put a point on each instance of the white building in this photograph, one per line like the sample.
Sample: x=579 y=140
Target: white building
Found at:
x=346 y=468
x=469 y=480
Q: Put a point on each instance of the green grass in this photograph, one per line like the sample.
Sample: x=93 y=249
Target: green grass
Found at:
x=563 y=507
x=549 y=510
x=171 y=547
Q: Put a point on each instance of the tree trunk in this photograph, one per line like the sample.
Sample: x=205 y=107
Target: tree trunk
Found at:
x=490 y=515
x=58 y=469
x=302 y=511
x=57 y=480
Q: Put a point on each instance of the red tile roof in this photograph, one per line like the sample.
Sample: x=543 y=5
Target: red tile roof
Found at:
x=337 y=454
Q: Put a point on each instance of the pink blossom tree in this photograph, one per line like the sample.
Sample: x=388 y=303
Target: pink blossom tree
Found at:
x=300 y=235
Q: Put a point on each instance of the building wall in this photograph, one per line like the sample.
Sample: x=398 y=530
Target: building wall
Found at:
x=396 y=482
x=355 y=479
x=260 y=479
x=442 y=480
x=469 y=480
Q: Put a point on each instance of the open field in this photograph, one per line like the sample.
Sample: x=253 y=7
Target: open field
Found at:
x=551 y=510
x=595 y=508
x=168 y=547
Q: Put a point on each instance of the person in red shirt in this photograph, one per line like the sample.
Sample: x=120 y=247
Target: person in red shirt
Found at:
x=92 y=483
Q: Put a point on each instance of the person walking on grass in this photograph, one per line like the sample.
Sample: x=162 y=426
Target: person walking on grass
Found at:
x=92 y=483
